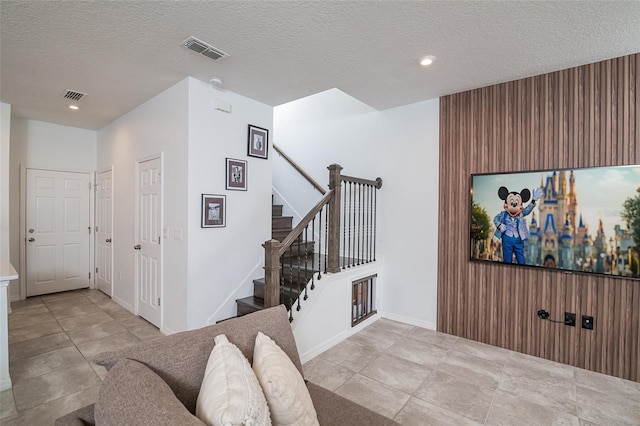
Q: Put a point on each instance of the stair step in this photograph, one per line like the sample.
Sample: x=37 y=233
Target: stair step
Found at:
x=297 y=258
x=300 y=250
x=258 y=291
x=258 y=288
x=249 y=304
x=282 y=222
x=280 y=234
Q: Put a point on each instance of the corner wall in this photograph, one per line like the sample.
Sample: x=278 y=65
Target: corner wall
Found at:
x=157 y=126
x=222 y=262
x=5 y=133
x=39 y=144
x=581 y=117
x=400 y=145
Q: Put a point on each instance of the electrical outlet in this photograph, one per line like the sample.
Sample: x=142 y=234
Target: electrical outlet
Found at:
x=570 y=319
x=587 y=322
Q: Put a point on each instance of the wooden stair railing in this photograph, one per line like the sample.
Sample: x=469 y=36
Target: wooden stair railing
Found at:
x=361 y=204
x=274 y=250
x=295 y=258
x=299 y=169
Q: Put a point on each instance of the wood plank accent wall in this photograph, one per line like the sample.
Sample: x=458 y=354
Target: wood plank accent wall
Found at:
x=581 y=117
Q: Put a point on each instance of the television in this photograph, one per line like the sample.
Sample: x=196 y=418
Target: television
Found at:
x=583 y=220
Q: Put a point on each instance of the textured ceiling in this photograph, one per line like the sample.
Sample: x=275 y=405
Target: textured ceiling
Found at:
x=122 y=53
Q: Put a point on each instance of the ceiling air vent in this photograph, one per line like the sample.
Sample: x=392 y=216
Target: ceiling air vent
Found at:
x=74 y=95
x=206 y=49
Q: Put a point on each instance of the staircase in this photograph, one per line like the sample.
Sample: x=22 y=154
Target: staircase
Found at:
x=299 y=260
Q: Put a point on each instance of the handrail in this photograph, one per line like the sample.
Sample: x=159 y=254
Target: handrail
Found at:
x=304 y=174
x=376 y=183
x=295 y=232
x=287 y=283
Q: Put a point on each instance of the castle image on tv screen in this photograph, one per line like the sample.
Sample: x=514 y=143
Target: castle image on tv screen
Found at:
x=584 y=220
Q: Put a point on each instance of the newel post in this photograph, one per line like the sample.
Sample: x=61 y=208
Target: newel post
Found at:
x=333 y=242
x=271 y=273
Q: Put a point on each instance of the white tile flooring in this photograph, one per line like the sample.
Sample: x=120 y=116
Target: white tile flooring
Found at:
x=412 y=375
x=52 y=340
x=421 y=377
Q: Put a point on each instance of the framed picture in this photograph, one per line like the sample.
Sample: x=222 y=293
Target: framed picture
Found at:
x=236 y=174
x=258 y=143
x=214 y=211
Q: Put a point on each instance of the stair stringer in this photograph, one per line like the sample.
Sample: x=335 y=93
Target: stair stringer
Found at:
x=325 y=317
x=228 y=307
x=288 y=208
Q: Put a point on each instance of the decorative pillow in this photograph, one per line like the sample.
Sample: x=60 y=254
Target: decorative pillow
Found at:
x=287 y=395
x=132 y=394
x=230 y=393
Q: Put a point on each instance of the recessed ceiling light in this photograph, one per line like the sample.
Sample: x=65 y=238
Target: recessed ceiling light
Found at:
x=427 y=60
x=73 y=107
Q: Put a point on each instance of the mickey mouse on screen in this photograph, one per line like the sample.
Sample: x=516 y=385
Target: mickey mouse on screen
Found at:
x=510 y=224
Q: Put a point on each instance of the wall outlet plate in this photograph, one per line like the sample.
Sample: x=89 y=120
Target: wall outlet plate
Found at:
x=587 y=322
x=570 y=319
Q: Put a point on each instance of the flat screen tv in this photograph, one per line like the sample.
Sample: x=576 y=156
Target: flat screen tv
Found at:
x=575 y=220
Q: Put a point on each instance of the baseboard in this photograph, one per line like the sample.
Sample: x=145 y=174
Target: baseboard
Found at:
x=167 y=331
x=408 y=320
x=5 y=384
x=328 y=344
x=247 y=279
x=124 y=304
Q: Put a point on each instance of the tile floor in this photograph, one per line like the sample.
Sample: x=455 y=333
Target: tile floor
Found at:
x=413 y=375
x=421 y=377
x=52 y=340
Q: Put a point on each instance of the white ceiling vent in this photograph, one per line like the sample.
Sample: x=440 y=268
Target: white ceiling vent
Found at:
x=206 y=49
x=74 y=95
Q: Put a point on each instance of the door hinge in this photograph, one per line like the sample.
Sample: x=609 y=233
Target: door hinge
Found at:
x=89 y=275
x=158 y=301
x=96 y=270
x=158 y=240
x=89 y=228
x=96 y=229
x=89 y=185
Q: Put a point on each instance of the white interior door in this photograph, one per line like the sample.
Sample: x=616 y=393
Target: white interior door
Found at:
x=58 y=231
x=104 y=225
x=148 y=237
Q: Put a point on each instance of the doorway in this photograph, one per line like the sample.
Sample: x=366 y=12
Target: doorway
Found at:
x=149 y=212
x=58 y=231
x=104 y=227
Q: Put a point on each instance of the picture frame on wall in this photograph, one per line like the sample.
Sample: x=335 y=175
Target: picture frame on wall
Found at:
x=214 y=211
x=236 y=174
x=258 y=142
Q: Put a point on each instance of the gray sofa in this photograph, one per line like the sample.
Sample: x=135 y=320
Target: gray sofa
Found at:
x=180 y=361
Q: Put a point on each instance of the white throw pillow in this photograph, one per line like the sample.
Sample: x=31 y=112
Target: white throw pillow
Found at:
x=230 y=393
x=287 y=394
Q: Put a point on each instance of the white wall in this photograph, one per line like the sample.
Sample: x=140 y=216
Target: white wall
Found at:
x=222 y=262
x=5 y=132
x=37 y=144
x=401 y=146
x=324 y=319
x=157 y=126
x=207 y=268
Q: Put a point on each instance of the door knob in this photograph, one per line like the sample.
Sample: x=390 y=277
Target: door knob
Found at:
x=137 y=247
x=31 y=239
x=31 y=230
x=108 y=240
